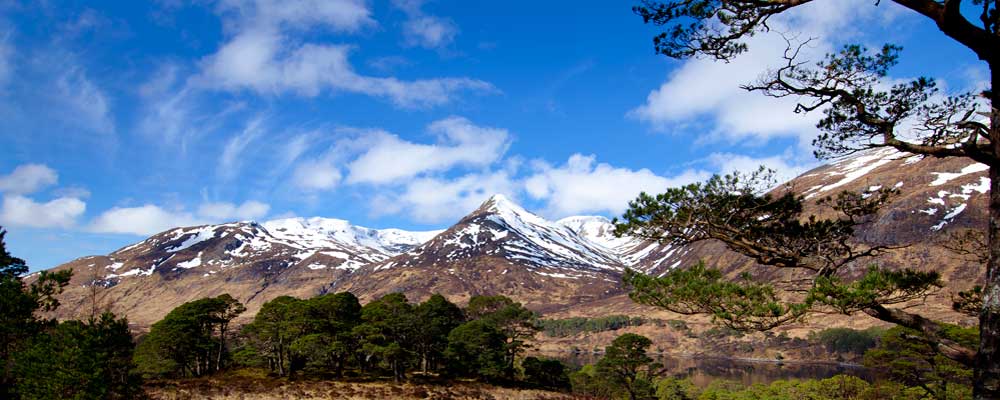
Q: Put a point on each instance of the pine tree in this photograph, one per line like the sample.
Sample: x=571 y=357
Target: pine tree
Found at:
x=19 y=303
x=863 y=110
x=80 y=360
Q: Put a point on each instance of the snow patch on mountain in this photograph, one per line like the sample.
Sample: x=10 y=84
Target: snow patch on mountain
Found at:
x=316 y=233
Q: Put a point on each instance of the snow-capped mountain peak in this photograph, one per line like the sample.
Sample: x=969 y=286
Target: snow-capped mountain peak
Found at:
x=320 y=232
x=504 y=229
x=599 y=230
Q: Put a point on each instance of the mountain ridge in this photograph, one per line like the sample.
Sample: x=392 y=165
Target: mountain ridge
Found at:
x=501 y=248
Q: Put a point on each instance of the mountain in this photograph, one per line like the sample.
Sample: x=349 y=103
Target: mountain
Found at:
x=253 y=262
x=499 y=248
x=638 y=254
x=936 y=197
x=568 y=267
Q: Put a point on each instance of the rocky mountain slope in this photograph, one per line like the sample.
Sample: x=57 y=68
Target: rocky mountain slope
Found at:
x=253 y=262
x=499 y=248
x=567 y=267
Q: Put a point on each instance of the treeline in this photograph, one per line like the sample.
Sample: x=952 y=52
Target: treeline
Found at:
x=325 y=336
x=905 y=368
x=333 y=334
x=44 y=359
x=575 y=325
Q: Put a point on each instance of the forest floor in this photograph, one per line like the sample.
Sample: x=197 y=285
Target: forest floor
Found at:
x=245 y=387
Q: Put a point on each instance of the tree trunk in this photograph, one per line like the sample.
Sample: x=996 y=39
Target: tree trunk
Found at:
x=222 y=345
x=423 y=362
x=987 y=372
x=281 y=358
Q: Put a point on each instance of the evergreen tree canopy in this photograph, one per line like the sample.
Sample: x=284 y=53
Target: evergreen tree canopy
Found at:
x=389 y=331
x=19 y=303
x=626 y=366
x=436 y=317
x=477 y=348
x=511 y=318
x=190 y=339
x=905 y=356
x=79 y=360
x=863 y=109
x=773 y=230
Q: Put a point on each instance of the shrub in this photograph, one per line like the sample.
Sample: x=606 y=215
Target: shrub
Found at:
x=846 y=340
x=545 y=373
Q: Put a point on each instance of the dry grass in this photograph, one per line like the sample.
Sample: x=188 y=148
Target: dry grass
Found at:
x=247 y=387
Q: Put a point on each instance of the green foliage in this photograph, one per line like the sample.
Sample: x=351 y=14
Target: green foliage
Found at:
x=518 y=324
x=290 y=334
x=477 y=348
x=625 y=371
x=676 y=389
x=77 y=360
x=626 y=366
x=722 y=332
x=327 y=340
x=436 y=318
x=738 y=210
x=387 y=332
x=19 y=303
x=862 y=110
x=678 y=325
x=190 y=339
x=571 y=326
x=743 y=304
x=847 y=340
x=908 y=358
x=878 y=286
x=545 y=373
x=587 y=381
x=333 y=334
x=835 y=388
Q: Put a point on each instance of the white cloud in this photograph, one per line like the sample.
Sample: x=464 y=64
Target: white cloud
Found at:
x=168 y=106
x=223 y=211
x=84 y=103
x=78 y=192
x=263 y=55
x=21 y=211
x=150 y=219
x=230 y=161
x=336 y=15
x=584 y=186
x=316 y=175
x=143 y=220
x=429 y=31
x=267 y=62
x=785 y=167
x=460 y=143
x=708 y=91
x=435 y=200
x=28 y=178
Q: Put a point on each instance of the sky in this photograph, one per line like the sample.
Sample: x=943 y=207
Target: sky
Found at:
x=124 y=119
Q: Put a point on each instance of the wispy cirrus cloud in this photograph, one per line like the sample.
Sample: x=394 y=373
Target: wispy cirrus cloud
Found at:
x=263 y=54
x=423 y=30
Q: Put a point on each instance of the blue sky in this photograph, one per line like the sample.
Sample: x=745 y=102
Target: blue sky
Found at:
x=122 y=119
